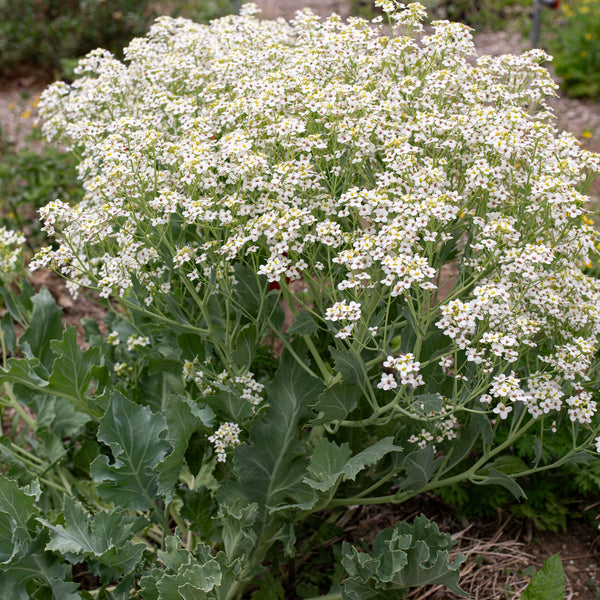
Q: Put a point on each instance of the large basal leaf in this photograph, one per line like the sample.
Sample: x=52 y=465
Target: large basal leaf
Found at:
x=45 y=325
x=135 y=436
x=184 y=576
x=17 y=503
x=72 y=368
x=271 y=467
x=183 y=417
x=40 y=567
x=17 y=507
x=104 y=537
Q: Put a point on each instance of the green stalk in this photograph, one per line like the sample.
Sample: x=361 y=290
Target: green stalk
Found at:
x=325 y=372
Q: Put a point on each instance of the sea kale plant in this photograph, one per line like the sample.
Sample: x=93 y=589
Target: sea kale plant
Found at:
x=345 y=264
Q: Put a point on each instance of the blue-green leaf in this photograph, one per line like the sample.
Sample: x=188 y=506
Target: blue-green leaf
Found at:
x=496 y=477
x=183 y=417
x=271 y=467
x=72 y=368
x=303 y=324
x=369 y=456
x=45 y=325
x=420 y=465
x=327 y=464
x=104 y=537
x=336 y=402
x=135 y=436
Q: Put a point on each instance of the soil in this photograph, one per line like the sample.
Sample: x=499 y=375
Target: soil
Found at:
x=498 y=551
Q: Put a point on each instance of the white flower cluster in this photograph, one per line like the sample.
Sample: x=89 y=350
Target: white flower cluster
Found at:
x=227 y=436
x=137 y=341
x=404 y=367
x=11 y=244
x=360 y=162
x=245 y=385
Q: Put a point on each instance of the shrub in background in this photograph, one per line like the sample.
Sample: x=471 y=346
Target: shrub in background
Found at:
x=420 y=219
x=575 y=45
x=45 y=32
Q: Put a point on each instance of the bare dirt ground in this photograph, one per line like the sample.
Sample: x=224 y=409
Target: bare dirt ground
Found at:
x=499 y=550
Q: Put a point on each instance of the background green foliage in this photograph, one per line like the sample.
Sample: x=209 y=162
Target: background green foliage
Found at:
x=43 y=33
x=575 y=45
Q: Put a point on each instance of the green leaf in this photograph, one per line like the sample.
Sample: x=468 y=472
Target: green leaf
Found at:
x=8 y=333
x=135 y=436
x=506 y=463
x=41 y=568
x=187 y=578
x=349 y=365
x=303 y=324
x=245 y=347
x=420 y=466
x=183 y=417
x=496 y=477
x=336 y=402
x=369 y=456
x=72 y=369
x=271 y=467
x=104 y=537
x=409 y=555
x=22 y=370
x=16 y=503
x=250 y=290
x=45 y=325
x=327 y=464
x=237 y=521
x=8 y=544
x=548 y=583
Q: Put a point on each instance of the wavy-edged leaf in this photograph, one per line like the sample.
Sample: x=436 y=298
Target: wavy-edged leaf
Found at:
x=407 y=556
x=135 y=436
x=72 y=368
x=16 y=503
x=42 y=568
x=183 y=417
x=327 y=464
x=349 y=365
x=103 y=537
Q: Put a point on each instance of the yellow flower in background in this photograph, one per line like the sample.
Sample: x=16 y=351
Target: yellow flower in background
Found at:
x=12 y=106
x=583 y=54
x=586 y=134
x=26 y=114
x=588 y=36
